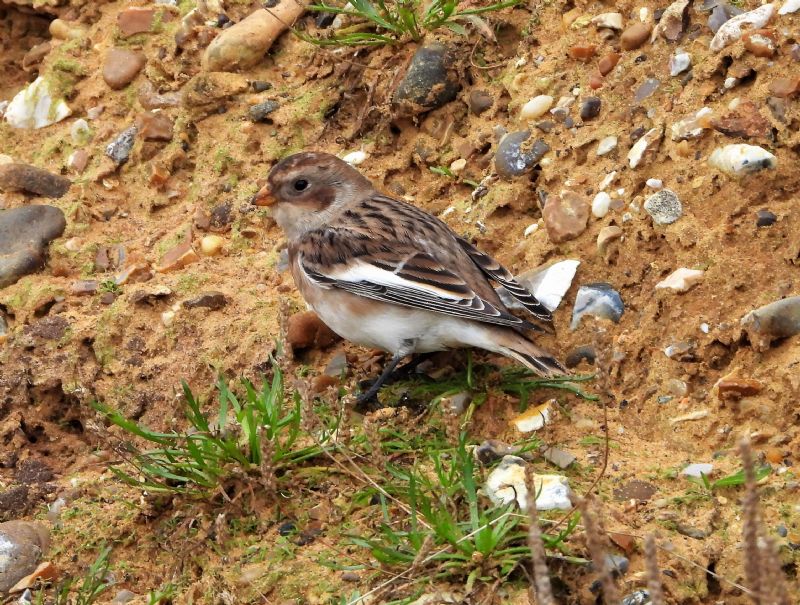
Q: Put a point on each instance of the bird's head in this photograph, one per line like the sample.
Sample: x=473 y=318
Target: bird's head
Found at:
x=305 y=189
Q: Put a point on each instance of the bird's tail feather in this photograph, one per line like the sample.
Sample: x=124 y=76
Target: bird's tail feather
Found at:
x=533 y=357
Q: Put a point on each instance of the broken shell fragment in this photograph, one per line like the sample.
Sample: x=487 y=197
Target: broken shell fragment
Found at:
x=733 y=29
x=741 y=159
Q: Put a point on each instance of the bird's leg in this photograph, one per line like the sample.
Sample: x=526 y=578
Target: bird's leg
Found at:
x=407 y=348
x=376 y=386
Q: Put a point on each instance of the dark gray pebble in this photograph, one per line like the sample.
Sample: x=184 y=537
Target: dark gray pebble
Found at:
x=765 y=218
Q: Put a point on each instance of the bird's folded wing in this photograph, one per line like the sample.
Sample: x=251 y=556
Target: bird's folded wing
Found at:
x=500 y=274
x=411 y=279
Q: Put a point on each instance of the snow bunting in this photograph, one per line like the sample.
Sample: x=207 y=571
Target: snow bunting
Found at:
x=384 y=274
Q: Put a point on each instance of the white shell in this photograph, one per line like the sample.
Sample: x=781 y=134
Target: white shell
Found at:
x=458 y=165
x=732 y=30
x=532 y=419
x=730 y=82
x=637 y=152
x=548 y=284
x=697 y=469
x=679 y=62
x=741 y=159
x=790 y=6
x=607 y=180
x=33 y=107
x=681 y=280
x=600 y=204
x=536 y=107
x=530 y=229
x=692 y=127
x=506 y=483
x=354 y=158
x=655 y=184
x=609 y=20
x=606 y=145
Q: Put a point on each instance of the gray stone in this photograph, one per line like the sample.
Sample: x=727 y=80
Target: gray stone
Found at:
x=480 y=101
x=765 y=218
x=22 y=545
x=429 y=82
x=207 y=300
x=120 y=148
x=590 y=108
x=664 y=207
x=561 y=458
x=23 y=177
x=259 y=112
x=24 y=235
x=514 y=158
x=640 y=597
x=776 y=320
x=599 y=300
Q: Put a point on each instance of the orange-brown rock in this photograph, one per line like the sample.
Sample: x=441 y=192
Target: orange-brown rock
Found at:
x=582 y=52
x=761 y=42
x=636 y=35
x=607 y=63
x=306 y=330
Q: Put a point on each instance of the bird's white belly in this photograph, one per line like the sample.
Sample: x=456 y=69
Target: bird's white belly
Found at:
x=390 y=327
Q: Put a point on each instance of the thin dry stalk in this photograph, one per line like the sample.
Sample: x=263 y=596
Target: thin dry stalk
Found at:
x=774 y=583
x=371 y=431
x=653 y=572
x=267 y=469
x=751 y=525
x=597 y=550
x=541 y=575
x=452 y=427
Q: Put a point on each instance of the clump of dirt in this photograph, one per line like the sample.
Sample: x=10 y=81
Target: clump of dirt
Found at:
x=106 y=319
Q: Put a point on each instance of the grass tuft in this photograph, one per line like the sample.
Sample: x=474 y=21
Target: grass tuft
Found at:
x=379 y=22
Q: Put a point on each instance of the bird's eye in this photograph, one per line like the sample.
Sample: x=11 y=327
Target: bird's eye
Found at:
x=300 y=185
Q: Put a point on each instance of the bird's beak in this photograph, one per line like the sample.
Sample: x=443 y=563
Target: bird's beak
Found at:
x=264 y=197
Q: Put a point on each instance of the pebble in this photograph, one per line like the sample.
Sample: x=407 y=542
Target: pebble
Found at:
x=121 y=67
x=209 y=91
x=670 y=26
x=25 y=233
x=776 y=320
x=646 y=89
x=740 y=159
x=135 y=20
x=177 y=257
x=34 y=107
x=207 y=300
x=681 y=280
x=154 y=126
x=681 y=351
x=606 y=236
x=22 y=544
x=601 y=204
x=66 y=30
x=638 y=490
x=646 y=143
x=679 y=62
x=664 y=207
x=211 y=245
x=692 y=127
x=597 y=300
x=548 y=284
x=506 y=484
x=607 y=63
x=582 y=52
x=532 y=419
x=24 y=177
x=590 y=108
x=120 y=148
x=732 y=30
x=606 y=145
x=513 y=158
x=150 y=98
x=493 y=450
x=608 y=20
x=536 y=107
x=261 y=111
x=261 y=85
x=655 y=183
x=634 y=36
x=697 y=469
x=79 y=132
x=561 y=458
x=479 y=101
x=765 y=218
x=733 y=386
x=639 y=597
x=123 y=597
x=745 y=121
x=306 y=330
x=565 y=216
x=430 y=81
x=784 y=87
x=761 y=42
x=790 y=6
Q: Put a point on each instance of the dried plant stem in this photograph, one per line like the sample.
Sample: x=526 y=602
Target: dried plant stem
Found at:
x=597 y=550
x=541 y=575
x=751 y=525
x=774 y=581
x=653 y=573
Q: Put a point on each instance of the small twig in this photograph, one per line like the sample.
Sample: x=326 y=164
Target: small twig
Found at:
x=653 y=574
x=541 y=575
x=597 y=549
